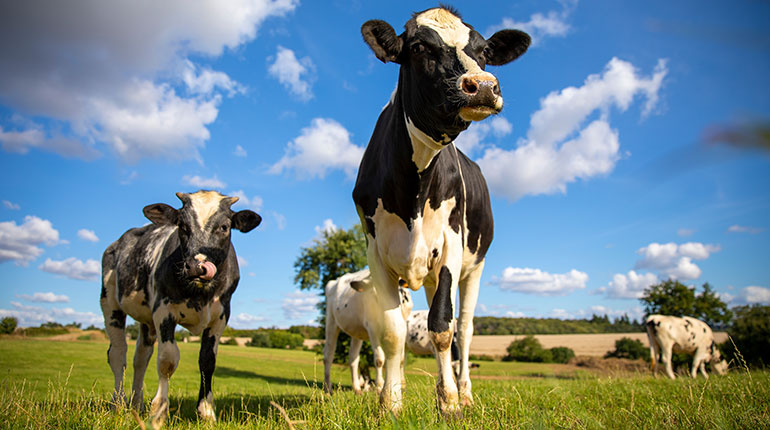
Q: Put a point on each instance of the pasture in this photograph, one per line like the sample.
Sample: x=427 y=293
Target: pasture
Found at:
x=67 y=384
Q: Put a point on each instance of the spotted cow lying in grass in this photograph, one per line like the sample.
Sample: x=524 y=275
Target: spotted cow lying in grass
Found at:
x=668 y=334
x=181 y=269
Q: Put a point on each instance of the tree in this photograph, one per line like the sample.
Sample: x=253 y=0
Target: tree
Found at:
x=750 y=331
x=528 y=349
x=674 y=298
x=629 y=348
x=8 y=325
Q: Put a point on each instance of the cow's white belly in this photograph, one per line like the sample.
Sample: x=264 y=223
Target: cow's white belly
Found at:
x=415 y=254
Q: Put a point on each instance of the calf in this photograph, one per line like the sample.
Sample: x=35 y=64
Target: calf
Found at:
x=351 y=306
x=418 y=339
x=181 y=269
x=423 y=204
x=669 y=334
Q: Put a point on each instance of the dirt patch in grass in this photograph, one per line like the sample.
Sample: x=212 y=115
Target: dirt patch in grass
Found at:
x=610 y=365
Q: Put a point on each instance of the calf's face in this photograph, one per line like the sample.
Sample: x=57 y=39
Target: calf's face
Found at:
x=443 y=83
x=203 y=226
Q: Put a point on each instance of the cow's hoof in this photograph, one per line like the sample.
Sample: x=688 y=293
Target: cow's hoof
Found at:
x=159 y=412
x=118 y=401
x=451 y=412
x=466 y=398
x=206 y=412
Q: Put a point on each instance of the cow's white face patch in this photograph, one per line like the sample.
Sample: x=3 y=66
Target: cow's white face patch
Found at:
x=205 y=204
x=452 y=32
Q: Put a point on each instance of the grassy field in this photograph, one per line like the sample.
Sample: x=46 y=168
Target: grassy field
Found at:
x=46 y=384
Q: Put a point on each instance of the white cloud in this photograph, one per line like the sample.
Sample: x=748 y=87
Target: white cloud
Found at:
x=240 y=152
x=535 y=281
x=755 y=295
x=675 y=261
x=254 y=203
x=685 y=232
x=201 y=182
x=242 y=262
x=280 y=220
x=244 y=320
x=629 y=286
x=45 y=297
x=299 y=304
x=540 y=26
x=88 y=235
x=122 y=74
x=35 y=315
x=470 y=140
x=327 y=227
x=323 y=146
x=20 y=243
x=10 y=205
x=560 y=148
x=744 y=229
x=561 y=314
x=73 y=268
x=290 y=71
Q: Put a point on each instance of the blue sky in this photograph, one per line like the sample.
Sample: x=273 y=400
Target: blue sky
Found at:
x=614 y=164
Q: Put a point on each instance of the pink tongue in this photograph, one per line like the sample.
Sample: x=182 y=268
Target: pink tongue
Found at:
x=210 y=270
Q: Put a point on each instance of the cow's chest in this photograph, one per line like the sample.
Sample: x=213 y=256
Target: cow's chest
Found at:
x=196 y=317
x=415 y=253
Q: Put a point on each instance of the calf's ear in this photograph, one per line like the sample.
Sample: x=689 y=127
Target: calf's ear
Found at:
x=381 y=37
x=506 y=46
x=161 y=214
x=246 y=220
x=361 y=285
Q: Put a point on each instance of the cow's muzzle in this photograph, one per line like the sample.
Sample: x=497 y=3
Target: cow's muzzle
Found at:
x=482 y=92
x=203 y=270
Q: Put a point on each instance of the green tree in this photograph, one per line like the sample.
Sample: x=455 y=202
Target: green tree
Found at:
x=750 y=331
x=674 y=298
x=629 y=348
x=8 y=325
x=562 y=354
x=528 y=349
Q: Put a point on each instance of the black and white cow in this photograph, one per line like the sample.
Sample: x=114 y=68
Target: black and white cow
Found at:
x=181 y=269
x=423 y=204
x=668 y=334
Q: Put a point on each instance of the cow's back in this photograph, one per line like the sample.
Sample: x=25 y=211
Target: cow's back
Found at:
x=348 y=306
x=685 y=334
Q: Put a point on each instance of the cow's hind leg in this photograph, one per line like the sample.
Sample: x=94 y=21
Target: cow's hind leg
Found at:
x=144 y=348
x=168 y=359
x=330 y=345
x=115 y=327
x=469 y=293
x=354 y=358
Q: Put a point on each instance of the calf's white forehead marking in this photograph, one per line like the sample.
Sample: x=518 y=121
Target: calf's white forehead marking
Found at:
x=205 y=204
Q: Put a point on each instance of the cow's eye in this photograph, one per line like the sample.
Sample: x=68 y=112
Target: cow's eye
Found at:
x=418 y=48
x=224 y=228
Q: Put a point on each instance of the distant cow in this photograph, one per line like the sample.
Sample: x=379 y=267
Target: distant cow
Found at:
x=423 y=204
x=669 y=334
x=181 y=269
x=351 y=306
x=418 y=339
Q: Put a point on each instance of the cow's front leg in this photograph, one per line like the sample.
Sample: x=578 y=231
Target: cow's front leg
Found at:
x=115 y=326
x=469 y=294
x=392 y=345
x=168 y=359
x=440 y=329
x=207 y=362
x=144 y=348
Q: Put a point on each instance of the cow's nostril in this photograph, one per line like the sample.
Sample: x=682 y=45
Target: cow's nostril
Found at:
x=496 y=90
x=469 y=86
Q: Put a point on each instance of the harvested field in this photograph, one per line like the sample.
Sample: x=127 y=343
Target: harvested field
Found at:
x=594 y=345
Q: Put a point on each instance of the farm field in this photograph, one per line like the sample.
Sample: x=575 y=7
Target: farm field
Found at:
x=65 y=384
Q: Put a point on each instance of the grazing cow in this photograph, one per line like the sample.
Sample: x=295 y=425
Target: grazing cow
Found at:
x=423 y=204
x=181 y=269
x=669 y=334
x=351 y=306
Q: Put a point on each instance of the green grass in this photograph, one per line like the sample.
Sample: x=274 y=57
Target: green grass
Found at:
x=46 y=384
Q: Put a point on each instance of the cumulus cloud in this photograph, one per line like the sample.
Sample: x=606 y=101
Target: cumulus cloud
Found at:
x=629 y=286
x=121 y=74
x=744 y=229
x=244 y=320
x=88 y=235
x=535 y=281
x=322 y=146
x=541 y=26
x=45 y=297
x=327 y=227
x=470 y=140
x=35 y=315
x=675 y=261
x=300 y=304
x=73 y=268
x=20 y=243
x=254 y=203
x=240 y=152
x=560 y=147
x=290 y=71
x=204 y=183
x=10 y=205
x=755 y=295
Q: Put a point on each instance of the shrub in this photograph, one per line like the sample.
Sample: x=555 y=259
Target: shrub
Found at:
x=276 y=339
x=528 y=349
x=629 y=348
x=8 y=325
x=562 y=354
x=261 y=340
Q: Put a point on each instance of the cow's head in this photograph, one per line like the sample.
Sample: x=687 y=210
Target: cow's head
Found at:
x=405 y=297
x=717 y=362
x=204 y=223
x=442 y=69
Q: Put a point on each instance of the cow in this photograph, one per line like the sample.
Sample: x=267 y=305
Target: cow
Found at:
x=423 y=204
x=351 y=306
x=668 y=334
x=180 y=269
x=418 y=340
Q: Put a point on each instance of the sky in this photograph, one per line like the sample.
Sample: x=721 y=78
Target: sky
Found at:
x=626 y=153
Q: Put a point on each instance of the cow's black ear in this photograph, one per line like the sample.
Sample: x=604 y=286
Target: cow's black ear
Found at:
x=161 y=214
x=246 y=220
x=381 y=37
x=506 y=46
